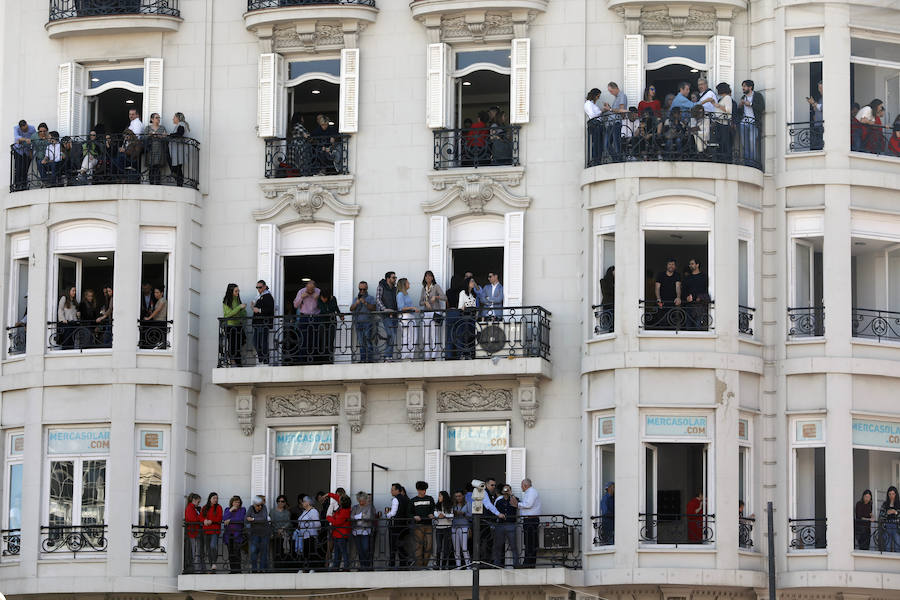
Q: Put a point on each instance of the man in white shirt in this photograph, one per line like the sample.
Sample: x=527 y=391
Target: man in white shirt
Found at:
x=135 y=125
x=529 y=509
x=708 y=97
x=594 y=127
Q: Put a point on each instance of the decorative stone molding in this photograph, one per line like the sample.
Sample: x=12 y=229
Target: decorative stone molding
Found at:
x=311 y=27
x=355 y=405
x=677 y=21
x=308 y=37
x=473 y=398
x=307 y=196
x=529 y=400
x=476 y=189
x=476 y=20
x=415 y=404
x=303 y=403
x=244 y=408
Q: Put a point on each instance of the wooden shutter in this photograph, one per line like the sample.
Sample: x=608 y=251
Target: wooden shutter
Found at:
x=515 y=468
x=270 y=119
x=259 y=470
x=153 y=88
x=432 y=474
x=267 y=266
x=512 y=258
x=723 y=48
x=519 y=82
x=437 y=248
x=349 y=103
x=70 y=99
x=436 y=96
x=634 y=68
x=343 y=264
x=340 y=471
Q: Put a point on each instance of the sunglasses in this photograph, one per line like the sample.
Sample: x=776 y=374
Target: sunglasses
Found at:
x=259 y=287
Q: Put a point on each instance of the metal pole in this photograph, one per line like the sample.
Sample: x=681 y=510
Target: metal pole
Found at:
x=476 y=554
x=372 y=480
x=770 y=530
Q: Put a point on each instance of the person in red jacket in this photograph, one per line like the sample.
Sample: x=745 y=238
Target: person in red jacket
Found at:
x=192 y=526
x=894 y=142
x=340 y=532
x=212 y=522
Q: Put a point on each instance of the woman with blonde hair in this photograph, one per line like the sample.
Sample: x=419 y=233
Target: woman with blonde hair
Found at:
x=433 y=299
x=408 y=316
x=177 y=149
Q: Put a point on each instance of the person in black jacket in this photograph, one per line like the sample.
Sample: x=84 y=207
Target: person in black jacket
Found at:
x=421 y=511
x=263 y=312
x=398 y=529
x=753 y=106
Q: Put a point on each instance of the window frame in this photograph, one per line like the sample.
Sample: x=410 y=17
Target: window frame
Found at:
x=749 y=471
x=161 y=455
x=702 y=68
x=599 y=443
x=19 y=248
x=78 y=480
x=115 y=84
x=803 y=59
x=10 y=459
x=795 y=445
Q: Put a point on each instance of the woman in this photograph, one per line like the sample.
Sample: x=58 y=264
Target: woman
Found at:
x=233 y=537
x=432 y=299
x=650 y=101
x=258 y=520
x=128 y=159
x=177 y=148
x=462 y=513
x=863 y=523
x=695 y=519
x=281 y=525
x=155 y=136
x=327 y=329
x=212 y=521
x=106 y=315
x=300 y=161
x=443 y=519
x=869 y=117
x=307 y=534
x=67 y=318
x=154 y=332
x=192 y=526
x=408 y=316
x=607 y=303
x=363 y=517
x=89 y=312
x=723 y=120
x=890 y=512
x=234 y=313
x=340 y=532
x=90 y=151
x=468 y=306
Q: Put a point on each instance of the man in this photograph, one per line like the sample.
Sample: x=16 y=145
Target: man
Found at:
x=386 y=302
x=751 y=124
x=491 y=297
x=708 y=97
x=608 y=514
x=22 y=153
x=613 y=116
x=668 y=292
x=263 y=313
x=307 y=304
x=72 y=158
x=529 y=509
x=148 y=303
x=505 y=531
x=696 y=293
x=362 y=321
x=452 y=318
x=816 y=128
x=490 y=517
x=682 y=99
x=421 y=511
x=399 y=526
x=135 y=124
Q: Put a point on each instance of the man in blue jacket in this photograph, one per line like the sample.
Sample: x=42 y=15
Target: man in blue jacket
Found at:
x=491 y=297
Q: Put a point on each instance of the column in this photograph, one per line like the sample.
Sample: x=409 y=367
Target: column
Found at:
x=121 y=480
x=724 y=473
x=629 y=471
x=127 y=284
x=835 y=83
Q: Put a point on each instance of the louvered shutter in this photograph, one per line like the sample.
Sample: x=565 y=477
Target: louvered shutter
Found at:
x=723 y=46
x=267 y=256
x=259 y=468
x=340 y=471
x=512 y=258
x=520 y=80
x=436 y=96
x=349 y=103
x=343 y=264
x=153 y=88
x=437 y=248
x=70 y=99
x=270 y=119
x=515 y=468
x=634 y=68
x=432 y=475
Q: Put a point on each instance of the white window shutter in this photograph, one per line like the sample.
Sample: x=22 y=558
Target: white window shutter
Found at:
x=153 y=88
x=724 y=57
x=512 y=258
x=436 y=97
x=70 y=99
x=712 y=72
x=520 y=81
x=349 y=102
x=432 y=475
x=634 y=68
x=267 y=255
x=259 y=469
x=515 y=468
x=343 y=264
x=270 y=119
x=437 y=248
x=340 y=471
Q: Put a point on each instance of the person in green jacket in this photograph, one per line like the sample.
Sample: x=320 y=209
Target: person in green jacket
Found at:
x=234 y=312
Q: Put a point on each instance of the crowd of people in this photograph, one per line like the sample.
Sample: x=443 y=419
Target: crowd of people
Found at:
x=868 y=133
x=319 y=151
x=102 y=156
x=487 y=139
x=323 y=532
x=885 y=523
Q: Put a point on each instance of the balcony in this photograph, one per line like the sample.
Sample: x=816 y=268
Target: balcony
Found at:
x=154 y=335
x=745 y=532
x=112 y=159
x=604 y=530
x=87 y=17
x=74 y=539
x=604 y=318
x=874 y=139
x=149 y=539
x=10 y=543
x=666 y=316
x=878 y=325
x=807 y=534
x=745 y=320
x=876 y=536
x=476 y=147
x=677 y=529
x=79 y=335
x=262 y=15
x=711 y=137
x=306 y=157
x=806 y=136
x=16 y=335
x=808 y=321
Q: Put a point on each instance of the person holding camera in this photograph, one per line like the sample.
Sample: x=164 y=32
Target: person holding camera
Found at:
x=362 y=321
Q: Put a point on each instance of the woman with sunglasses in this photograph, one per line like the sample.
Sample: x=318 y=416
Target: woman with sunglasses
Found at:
x=650 y=101
x=281 y=524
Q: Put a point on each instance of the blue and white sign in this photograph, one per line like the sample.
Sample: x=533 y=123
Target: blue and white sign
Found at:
x=308 y=442
x=881 y=434
x=94 y=440
x=606 y=428
x=676 y=426
x=474 y=438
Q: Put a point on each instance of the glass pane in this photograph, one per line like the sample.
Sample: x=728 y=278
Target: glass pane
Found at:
x=494 y=57
x=802 y=296
x=873 y=49
x=15 y=496
x=657 y=52
x=807 y=45
x=62 y=484
x=609 y=253
x=330 y=66
x=743 y=274
x=894 y=280
x=93 y=493
x=133 y=75
x=806 y=85
x=742 y=475
x=149 y=493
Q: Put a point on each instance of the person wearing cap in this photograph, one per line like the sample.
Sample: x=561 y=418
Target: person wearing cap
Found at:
x=608 y=514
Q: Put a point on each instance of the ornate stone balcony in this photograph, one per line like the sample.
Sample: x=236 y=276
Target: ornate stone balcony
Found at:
x=92 y=17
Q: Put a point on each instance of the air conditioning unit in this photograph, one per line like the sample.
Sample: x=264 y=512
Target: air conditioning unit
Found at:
x=555 y=536
x=498 y=337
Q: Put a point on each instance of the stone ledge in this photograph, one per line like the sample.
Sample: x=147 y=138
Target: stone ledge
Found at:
x=671 y=170
x=111 y=24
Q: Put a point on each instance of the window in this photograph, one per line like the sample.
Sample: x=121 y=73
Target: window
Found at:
x=808 y=524
x=747 y=518
x=668 y=256
x=17 y=315
x=14 y=444
x=746 y=261
x=876 y=467
x=149 y=525
x=874 y=74
x=806 y=75
x=875 y=288
x=604 y=223
x=604 y=522
x=806 y=315
x=298 y=460
x=480 y=81
x=157 y=271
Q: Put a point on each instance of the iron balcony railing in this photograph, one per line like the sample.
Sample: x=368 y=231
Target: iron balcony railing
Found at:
x=745 y=320
x=673 y=136
x=383 y=337
x=492 y=145
x=154 y=335
x=73 y=539
x=16 y=335
x=667 y=316
x=79 y=335
x=874 y=139
x=149 y=538
x=677 y=529
x=604 y=530
x=68 y=9
x=880 y=535
x=807 y=321
x=10 y=542
x=397 y=544
x=807 y=533
x=880 y=325
x=307 y=155
x=806 y=136
x=103 y=159
x=261 y=4
x=604 y=318
x=745 y=532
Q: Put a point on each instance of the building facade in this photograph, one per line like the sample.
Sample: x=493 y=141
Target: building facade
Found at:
x=334 y=142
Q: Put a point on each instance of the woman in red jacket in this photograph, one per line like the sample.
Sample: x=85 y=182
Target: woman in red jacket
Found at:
x=340 y=532
x=192 y=526
x=212 y=522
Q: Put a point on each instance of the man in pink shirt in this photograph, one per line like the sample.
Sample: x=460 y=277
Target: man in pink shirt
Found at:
x=307 y=304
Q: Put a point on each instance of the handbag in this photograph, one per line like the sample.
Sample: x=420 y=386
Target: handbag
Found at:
x=438 y=318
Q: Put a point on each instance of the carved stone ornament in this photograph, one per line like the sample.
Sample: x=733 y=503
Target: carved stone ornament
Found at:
x=676 y=21
x=306 y=198
x=316 y=38
x=415 y=404
x=355 y=405
x=492 y=26
x=474 y=398
x=476 y=190
x=491 y=21
x=303 y=403
x=529 y=400
x=244 y=408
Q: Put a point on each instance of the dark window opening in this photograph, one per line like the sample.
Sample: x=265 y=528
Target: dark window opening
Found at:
x=299 y=269
x=303 y=476
x=108 y=111
x=465 y=468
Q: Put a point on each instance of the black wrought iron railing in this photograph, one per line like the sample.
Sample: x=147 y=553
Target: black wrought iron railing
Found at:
x=546 y=541
x=79 y=335
x=745 y=320
x=667 y=316
x=105 y=159
x=673 y=136
x=745 y=532
x=73 y=539
x=806 y=136
x=677 y=529
x=68 y=9
x=880 y=535
x=149 y=538
x=305 y=156
x=10 y=542
x=16 y=335
x=261 y=4
x=880 y=325
x=604 y=530
x=476 y=147
x=604 y=318
x=154 y=335
x=874 y=139
x=807 y=533
x=384 y=337
x=807 y=321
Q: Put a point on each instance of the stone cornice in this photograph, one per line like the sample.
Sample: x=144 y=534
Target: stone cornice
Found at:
x=306 y=196
x=475 y=188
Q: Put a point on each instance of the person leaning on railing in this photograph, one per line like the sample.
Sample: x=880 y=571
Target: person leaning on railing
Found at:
x=193 y=523
x=233 y=533
x=258 y=520
x=234 y=312
x=362 y=515
x=178 y=149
